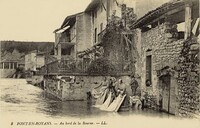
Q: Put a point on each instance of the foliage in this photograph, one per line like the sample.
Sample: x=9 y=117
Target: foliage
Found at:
x=112 y=59
x=188 y=80
x=101 y=66
x=25 y=47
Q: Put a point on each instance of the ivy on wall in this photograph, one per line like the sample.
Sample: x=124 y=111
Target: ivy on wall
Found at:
x=116 y=48
x=188 y=79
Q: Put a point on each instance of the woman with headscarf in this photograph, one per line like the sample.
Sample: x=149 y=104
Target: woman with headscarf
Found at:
x=111 y=94
x=103 y=91
x=121 y=94
x=121 y=88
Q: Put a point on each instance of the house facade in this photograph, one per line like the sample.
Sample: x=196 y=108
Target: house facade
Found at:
x=10 y=63
x=73 y=36
x=34 y=61
x=101 y=12
x=163 y=35
x=80 y=35
x=8 y=68
x=162 y=43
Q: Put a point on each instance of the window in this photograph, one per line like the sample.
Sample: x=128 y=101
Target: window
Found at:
x=148 y=68
x=11 y=66
x=93 y=16
x=1 y=65
x=65 y=51
x=95 y=13
x=181 y=30
x=15 y=65
x=95 y=35
x=101 y=27
x=6 y=65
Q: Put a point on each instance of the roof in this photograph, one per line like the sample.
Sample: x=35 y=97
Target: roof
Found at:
x=93 y=4
x=69 y=21
x=37 y=52
x=151 y=15
x=13 y=60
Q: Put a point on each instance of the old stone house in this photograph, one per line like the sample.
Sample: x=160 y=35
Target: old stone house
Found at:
x=161 y=37
x=34 y=60
x=8 y=67
x=10 y=62
x=121 y=49
x=102 y=13
x=80 y=36
x=73 y=36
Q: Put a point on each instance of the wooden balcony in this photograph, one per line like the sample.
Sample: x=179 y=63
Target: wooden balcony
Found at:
x=64 y=67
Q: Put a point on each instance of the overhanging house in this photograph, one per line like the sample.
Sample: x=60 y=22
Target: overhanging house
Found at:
x=78 y=39
x=167 y=38
x=73 y=36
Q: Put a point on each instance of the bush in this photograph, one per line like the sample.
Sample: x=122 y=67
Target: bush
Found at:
x=101 y=66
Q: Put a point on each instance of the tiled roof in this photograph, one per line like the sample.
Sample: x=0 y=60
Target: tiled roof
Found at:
x=158 y=12
x=69 y=20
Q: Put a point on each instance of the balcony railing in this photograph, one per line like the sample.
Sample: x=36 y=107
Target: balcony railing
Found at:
x=64 y=67
x=80 y=67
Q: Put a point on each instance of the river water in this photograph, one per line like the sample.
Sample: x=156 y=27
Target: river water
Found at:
x=19 y=99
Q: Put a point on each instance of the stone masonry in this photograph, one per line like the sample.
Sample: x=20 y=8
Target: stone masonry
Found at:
x=164 y=48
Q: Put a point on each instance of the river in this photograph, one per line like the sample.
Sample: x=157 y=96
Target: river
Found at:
x=19 y=99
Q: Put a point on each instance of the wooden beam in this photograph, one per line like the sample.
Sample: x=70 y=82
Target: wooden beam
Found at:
x=171 y=12
x=164 y=11
x=116 y=2
x=103 y=6
x=188 y=17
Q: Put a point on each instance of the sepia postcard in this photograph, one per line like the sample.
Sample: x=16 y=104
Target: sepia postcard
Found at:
x=99 y=64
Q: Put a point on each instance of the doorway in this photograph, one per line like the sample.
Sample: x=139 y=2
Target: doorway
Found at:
x=168 y=96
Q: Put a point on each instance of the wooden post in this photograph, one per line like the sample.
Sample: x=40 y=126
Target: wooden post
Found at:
x=188 y=18
x=122 y=51
x=169 y=94
x=3 y=65
x=59 y=51
x=108 y=10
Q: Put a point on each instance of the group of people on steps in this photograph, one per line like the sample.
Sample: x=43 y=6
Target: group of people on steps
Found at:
x=110 y=88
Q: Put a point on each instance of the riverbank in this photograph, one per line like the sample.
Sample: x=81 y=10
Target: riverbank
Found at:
x=21 y=102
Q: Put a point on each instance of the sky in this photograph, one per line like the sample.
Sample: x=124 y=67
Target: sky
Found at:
x=35 y=20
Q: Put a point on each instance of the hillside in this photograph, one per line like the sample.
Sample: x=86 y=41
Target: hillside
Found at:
x=12 y=50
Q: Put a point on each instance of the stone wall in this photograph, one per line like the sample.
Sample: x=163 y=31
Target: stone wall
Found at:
x=164 y=49
x=188 y=80
x=30 y=61
x=94 y=81
x=79 y=89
